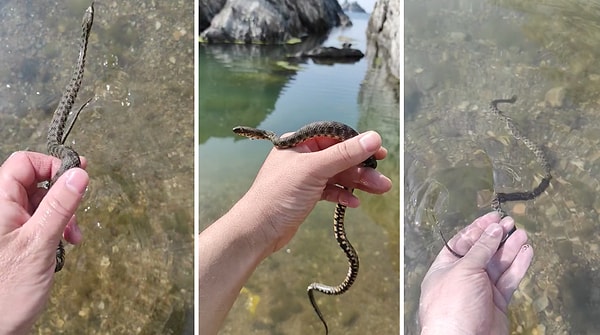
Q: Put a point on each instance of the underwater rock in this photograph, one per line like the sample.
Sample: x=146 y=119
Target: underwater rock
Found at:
x=555 y=97
x=346 y=53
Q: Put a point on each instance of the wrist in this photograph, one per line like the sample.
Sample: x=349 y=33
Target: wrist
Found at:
x=18 y=318
x=437 y=319
x=273 y=219
x=230 y=249
x=255 y=225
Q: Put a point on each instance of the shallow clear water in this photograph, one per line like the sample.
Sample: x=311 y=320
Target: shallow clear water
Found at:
x=242 y=85
x=459 y=55
x=134 y=271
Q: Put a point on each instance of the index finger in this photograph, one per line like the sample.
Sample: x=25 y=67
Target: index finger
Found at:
x=462 y=242
x=21 y=173
x=26 y=167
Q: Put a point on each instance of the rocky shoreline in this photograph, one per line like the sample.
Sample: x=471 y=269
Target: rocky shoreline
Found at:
x=307 y=22
x=268 y=21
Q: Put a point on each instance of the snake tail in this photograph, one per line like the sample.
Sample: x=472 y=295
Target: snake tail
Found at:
x=313 y=302
x=353 y=264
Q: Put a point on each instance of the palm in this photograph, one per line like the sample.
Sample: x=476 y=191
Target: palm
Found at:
x=472 y=293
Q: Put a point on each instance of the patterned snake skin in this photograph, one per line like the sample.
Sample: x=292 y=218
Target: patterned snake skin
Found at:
x=500 y=198
x=340 y=132
x=59 y=129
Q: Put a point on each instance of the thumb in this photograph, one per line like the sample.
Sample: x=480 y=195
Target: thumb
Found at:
x=349 y=153
x=58 y=206
x=482 y=251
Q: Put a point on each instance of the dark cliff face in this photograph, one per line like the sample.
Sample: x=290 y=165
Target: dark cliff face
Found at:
x=208 y=10
x=267 y=21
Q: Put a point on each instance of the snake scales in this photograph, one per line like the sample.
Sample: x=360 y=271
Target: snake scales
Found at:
x=340 y=132
x=59 y=127
x=500 y=198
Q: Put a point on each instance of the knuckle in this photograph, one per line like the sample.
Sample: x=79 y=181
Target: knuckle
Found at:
x=345 y=153
x=57 y=207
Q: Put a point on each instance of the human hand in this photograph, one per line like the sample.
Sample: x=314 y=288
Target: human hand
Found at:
x=286 y=189
x=32 y=221
x=470 y=295
x=291 y=181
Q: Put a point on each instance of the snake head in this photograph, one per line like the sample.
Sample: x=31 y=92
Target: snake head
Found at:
x=370 y=162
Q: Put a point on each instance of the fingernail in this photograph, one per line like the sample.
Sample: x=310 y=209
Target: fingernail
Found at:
x=369 y=141
x=508 y=220
x=76 y=181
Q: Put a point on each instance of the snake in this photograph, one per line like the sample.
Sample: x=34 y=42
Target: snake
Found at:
x=540 y=157
x=61 y=124
x=341 y=132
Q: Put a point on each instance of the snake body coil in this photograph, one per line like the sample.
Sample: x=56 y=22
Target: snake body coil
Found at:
x=59 y=127
x=340 y=132
x=500 y=198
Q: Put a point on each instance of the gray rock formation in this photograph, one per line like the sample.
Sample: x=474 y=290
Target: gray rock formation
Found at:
x=353 y=7
x=381 y=85
x=267 y=21
x=384 y=35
